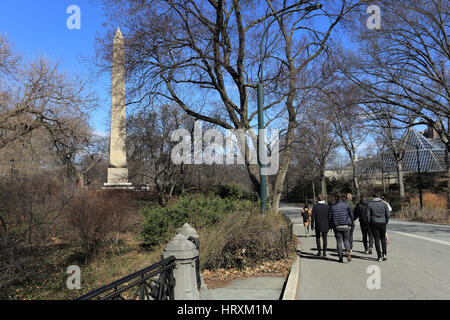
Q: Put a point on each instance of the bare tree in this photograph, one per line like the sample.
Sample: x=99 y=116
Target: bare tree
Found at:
x=347 y=119
x=393 y=135
x=406 y=64
x=315 y=137
x=38 y=95
x=203 y=56
x=9 y=60
x=150 y=145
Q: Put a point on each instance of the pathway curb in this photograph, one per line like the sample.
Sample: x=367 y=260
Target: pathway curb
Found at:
x=290 y=292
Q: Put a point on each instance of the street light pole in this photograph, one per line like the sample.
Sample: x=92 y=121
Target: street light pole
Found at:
x=262 y=154
x=419 y=177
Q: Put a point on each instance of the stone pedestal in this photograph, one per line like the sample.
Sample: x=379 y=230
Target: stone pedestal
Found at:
x=190 y=233
x=186 y=254
x=118 y=176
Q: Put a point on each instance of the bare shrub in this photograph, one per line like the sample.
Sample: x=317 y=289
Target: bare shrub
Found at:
x=30 y=208
x=430 y=215
x=434 y=209
x=97 y=218
x=245 y=238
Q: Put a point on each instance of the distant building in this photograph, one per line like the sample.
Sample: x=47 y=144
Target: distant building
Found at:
x=423 y=151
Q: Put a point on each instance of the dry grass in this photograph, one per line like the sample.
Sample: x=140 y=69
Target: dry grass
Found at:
x=434 y=209
x=245 y=239
x=431 y=200
x=119 y=261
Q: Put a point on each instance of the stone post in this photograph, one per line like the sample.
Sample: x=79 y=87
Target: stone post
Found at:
x=187 y=231
x=185 y=253
x=191 y=234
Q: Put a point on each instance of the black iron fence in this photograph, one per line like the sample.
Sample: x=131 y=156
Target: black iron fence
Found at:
x=141 y=285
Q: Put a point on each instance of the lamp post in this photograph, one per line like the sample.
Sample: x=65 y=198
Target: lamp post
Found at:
x=419 y=177
x=260 y=100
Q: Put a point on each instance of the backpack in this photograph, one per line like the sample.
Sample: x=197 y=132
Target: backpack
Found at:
x=305 y=214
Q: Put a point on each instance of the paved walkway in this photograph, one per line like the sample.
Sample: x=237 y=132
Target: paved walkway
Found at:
x=255 y=288
x=417 y=265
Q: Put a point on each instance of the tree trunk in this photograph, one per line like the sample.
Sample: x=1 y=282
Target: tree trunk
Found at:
x=355 y=180
x=447 y=170
x=400 y=180
x=284 y=165
x=323 y=185
x=314 y=191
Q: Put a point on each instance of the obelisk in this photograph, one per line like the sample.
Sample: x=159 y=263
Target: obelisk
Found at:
x=118 y=171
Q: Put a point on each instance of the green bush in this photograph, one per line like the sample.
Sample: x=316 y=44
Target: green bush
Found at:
x=199 y=211
x=234 y=192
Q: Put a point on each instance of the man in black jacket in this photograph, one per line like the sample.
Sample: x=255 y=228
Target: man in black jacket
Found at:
x=362 y=213
x=379 y=218
x=320 y=224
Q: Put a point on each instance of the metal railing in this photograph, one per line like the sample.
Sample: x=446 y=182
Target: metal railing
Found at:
x=144 y=283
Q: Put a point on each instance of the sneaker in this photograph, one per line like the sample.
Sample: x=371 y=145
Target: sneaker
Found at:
x=380 y=259
x=366 y=251
x=385 y=257
x=349 y=256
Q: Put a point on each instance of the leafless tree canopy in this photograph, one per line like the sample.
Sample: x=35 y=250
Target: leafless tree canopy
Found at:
x=37 y=95
x=204 y=57
x=406 y=64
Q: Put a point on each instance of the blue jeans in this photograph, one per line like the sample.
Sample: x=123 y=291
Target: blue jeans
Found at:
x=342 y=236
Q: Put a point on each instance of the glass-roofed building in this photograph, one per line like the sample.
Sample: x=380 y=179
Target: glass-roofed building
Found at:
x=421 y=153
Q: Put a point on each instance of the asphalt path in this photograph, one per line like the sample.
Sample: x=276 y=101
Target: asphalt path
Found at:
x=418 y=265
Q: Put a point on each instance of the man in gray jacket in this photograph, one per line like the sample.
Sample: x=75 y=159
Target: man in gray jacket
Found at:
x=379 y=218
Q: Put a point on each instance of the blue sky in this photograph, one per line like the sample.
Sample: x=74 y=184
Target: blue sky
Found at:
x=39 y=28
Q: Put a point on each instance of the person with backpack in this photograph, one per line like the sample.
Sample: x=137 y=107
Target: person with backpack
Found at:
x=306 y=214
x=340 y=217
x=361 y=212
x=379 y=218
x=320 y=224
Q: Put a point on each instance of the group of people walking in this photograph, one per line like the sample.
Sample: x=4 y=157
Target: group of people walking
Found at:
x=341 y=217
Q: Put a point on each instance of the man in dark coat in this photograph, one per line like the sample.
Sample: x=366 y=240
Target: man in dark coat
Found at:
x=320 y=224
x=341 y=219
x=362 y=213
